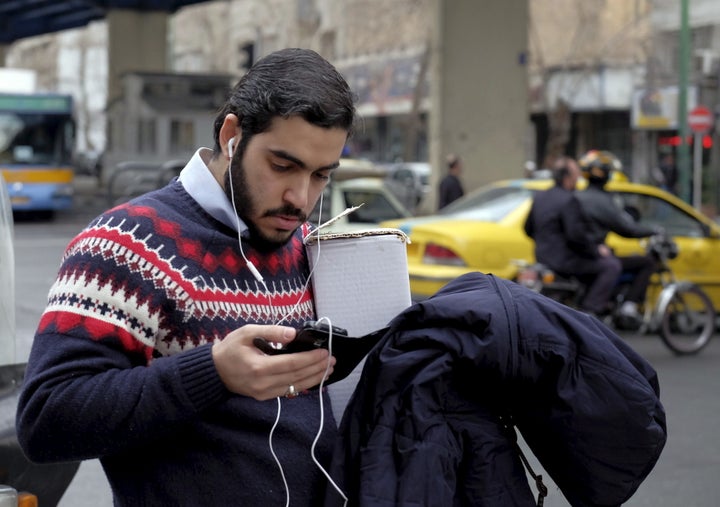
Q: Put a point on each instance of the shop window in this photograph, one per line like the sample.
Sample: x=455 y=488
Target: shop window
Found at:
x=146 y=142
x=182 y=136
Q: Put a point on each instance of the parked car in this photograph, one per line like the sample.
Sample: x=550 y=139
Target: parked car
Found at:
x=20 y=480
x=409 y=181
x=133 y=178
x=483 y=231
x=88 y=163
x=358 y=183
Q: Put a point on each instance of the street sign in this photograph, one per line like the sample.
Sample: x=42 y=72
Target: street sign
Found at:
x=700 y=120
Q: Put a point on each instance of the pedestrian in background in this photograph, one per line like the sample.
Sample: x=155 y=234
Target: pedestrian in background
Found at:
x=451 y=187
x=666 y=174
x=144 y=356
x=529 y=168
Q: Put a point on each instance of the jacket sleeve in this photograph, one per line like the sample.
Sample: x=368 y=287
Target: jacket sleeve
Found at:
x=619 y=221
x=625 y=226
x=85 y=388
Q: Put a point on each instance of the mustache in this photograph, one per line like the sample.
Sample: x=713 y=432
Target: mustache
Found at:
x=288 y=211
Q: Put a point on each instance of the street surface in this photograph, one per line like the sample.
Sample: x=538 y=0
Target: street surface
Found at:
x=686 y=474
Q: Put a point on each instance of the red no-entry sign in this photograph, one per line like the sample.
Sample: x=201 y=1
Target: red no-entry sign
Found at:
x=700 y=119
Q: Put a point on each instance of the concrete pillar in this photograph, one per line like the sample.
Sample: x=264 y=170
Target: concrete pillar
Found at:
x=479 y=89
x=137 y=41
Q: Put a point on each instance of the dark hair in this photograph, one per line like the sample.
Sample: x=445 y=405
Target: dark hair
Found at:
x=452 y=160
x=289 y=82
x=561 y=170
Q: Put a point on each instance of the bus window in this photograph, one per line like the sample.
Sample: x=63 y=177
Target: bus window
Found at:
x=37 y=137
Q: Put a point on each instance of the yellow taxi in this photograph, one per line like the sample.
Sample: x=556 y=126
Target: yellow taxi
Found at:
x=483 y=231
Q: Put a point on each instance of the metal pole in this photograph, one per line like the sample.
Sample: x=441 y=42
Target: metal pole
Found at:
x=683 y=151
x=697 y=171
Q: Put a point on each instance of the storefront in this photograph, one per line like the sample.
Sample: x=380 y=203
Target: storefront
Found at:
x=393 y=104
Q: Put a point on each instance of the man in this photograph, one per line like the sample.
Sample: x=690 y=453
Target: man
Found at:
x=144 y=357
x=557 y=225
x=605 y=216
x=451 y=187
x=666 y=174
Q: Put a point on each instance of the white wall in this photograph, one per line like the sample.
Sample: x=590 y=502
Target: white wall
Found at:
x=82 y=72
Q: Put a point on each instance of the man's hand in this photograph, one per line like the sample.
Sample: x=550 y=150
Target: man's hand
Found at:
x=604 y=250
x=658 y=230
x=245 y=370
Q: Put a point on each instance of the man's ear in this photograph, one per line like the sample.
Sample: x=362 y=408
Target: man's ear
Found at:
x=229 y=134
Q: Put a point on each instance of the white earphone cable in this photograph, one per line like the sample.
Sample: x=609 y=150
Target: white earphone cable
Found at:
x=272 y=451
x=322 y=412
x=260 y=279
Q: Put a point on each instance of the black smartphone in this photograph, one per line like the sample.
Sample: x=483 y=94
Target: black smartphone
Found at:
x=312 y=335
x=348 y=350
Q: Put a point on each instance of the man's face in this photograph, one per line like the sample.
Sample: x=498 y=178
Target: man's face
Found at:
x=280 y=175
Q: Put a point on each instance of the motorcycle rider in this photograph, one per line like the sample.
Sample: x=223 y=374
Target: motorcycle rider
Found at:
x=606 y=216
x=557 y=225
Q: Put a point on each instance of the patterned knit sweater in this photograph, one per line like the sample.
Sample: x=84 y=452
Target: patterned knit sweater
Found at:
x=121 y=365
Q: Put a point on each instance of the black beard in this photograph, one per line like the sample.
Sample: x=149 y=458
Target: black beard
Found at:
x=261 y=243
x=245 y=206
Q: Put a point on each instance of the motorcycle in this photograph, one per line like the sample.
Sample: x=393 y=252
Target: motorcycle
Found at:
x=682 y=314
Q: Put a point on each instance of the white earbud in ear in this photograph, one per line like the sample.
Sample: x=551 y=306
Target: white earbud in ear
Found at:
x=231 y=143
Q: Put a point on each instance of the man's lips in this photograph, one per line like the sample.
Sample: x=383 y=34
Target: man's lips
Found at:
x=285 y=222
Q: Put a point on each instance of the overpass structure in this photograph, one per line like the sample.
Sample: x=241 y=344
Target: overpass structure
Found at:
x=22 y=18
x=478 y=74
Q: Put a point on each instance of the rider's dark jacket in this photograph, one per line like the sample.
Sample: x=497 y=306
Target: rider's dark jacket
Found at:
x=424 y=427
x=605 y=216
x=560 y=230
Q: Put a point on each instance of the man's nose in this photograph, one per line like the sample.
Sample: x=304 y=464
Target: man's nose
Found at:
x=297 y=191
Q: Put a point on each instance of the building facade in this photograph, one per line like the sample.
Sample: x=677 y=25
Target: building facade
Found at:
x=584 y=66
x=589 y=65
x=380 y=46
x=164 y=116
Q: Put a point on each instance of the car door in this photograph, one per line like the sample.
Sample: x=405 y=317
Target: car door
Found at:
x=698 y=243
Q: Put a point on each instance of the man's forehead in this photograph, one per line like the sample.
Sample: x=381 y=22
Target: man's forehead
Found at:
x=303 y=143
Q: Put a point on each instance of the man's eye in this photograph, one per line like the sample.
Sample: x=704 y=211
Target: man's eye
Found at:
x=324 y=176
x=280 y=168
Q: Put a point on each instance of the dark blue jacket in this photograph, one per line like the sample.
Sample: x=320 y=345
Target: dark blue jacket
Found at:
x=560 y=229
x=423 y=426
x=606 y=216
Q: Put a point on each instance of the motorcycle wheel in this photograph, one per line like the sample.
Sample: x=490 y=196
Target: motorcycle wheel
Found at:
x=686 y=319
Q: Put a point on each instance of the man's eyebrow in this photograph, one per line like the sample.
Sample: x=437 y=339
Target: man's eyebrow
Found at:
x=287 y=156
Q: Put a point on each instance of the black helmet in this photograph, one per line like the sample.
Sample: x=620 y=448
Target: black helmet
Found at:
x=597 y=165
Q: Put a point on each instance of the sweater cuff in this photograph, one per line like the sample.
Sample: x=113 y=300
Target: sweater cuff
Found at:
x=199 y=378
